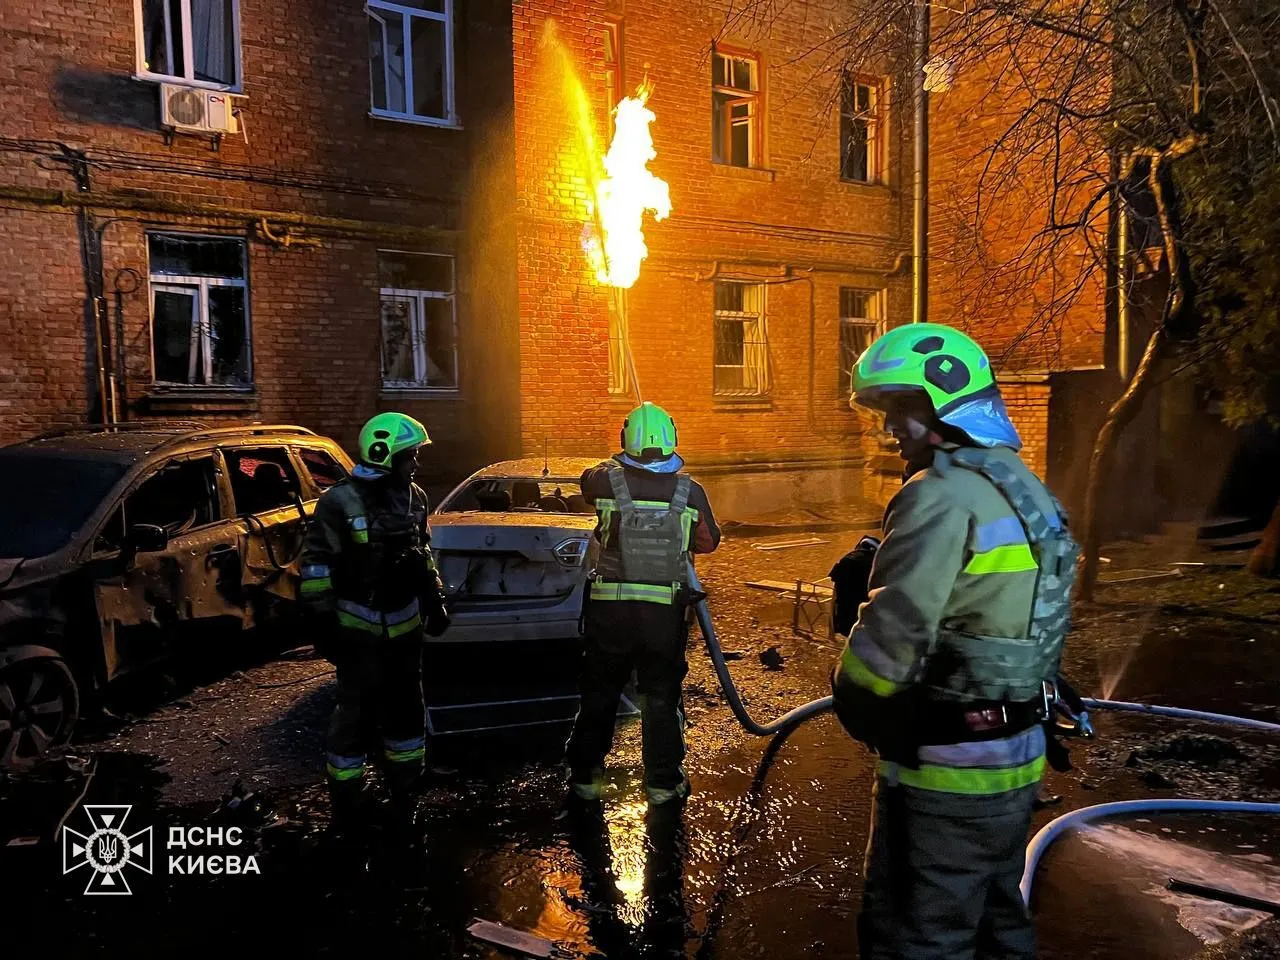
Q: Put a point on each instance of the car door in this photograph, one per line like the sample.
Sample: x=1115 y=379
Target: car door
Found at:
x=167 y=560
x=268 y=499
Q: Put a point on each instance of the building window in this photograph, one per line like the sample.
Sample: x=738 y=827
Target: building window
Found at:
x=735 y=110
x=861 y=321
x=411 y=59
x=419 y=321
x=861 y=130
x=199 y=311
x=612 y=72
x=192 y=41
x=619 y=381
x=741 y=343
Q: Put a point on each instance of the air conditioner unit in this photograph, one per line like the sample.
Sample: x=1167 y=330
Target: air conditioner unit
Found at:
x=194 y=110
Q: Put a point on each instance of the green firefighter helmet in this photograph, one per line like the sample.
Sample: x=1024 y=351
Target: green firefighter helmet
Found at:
x=945 y=365
x=387 y=434
x=648 y=433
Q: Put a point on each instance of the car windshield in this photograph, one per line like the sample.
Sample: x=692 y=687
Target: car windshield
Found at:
x=45 y=499
x=518 y=495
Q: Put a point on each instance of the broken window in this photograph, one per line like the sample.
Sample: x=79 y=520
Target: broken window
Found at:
x=325 y=471
x=46 y=499
x=861 y=318
x=735 y=110
x=741 y=342
x=192 y=40
x=419 y=321
x=181 y=497
x=612 y=72
x=262 y=478
x=861 y=130
x=199 y=311
x=411 y=59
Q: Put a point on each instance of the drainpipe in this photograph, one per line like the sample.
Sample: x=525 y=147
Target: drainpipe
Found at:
x=920 y=217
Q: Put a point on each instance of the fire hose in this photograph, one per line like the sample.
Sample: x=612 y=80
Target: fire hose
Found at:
x=1047 y=835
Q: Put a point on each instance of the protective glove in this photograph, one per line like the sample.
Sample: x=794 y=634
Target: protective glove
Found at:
x=885 y=725
x=436 y=608
x=849 y=579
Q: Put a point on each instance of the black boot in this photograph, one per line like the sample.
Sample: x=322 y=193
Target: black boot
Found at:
x=404 y=781
x=351 y=803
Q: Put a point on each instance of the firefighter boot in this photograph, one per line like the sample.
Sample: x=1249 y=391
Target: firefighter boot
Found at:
x=351 y=803
x=404 y=781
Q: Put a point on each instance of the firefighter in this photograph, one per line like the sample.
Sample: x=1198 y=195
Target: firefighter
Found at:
x=946 y=669
x=650 y=518
x=369 y=576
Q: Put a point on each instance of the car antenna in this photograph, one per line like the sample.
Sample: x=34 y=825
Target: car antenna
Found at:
x=546 y=465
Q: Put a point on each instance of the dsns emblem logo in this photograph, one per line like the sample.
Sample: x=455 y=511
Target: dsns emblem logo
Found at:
x=107 y=849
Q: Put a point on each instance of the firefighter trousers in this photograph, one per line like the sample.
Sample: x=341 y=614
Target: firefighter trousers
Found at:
x=379 y=688
x=943 y=872
x=622 y=636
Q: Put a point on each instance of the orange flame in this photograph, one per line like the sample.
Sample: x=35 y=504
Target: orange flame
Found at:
x=626 y=191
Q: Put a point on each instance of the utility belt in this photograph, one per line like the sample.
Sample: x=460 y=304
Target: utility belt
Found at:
x=941 y=722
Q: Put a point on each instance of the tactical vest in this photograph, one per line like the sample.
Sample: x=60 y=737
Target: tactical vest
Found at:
x=648 y=560
x=381 y=568
x=1005 y=668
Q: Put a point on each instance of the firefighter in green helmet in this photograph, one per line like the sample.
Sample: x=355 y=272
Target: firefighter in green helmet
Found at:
x=949 y=668
x=650 y=518
x=369 y=577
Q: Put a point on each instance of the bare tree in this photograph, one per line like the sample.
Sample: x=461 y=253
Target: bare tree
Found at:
x=1082 y=105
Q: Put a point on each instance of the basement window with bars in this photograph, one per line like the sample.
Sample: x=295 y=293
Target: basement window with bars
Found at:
x=411 y=69
x=190 y=41
x=735 y=109
x=862 y=129
x=419 y=321
x=861 y=321
x=741 y=341
x=199 y=311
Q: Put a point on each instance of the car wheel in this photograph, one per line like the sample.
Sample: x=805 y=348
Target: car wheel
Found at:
x=39 y=707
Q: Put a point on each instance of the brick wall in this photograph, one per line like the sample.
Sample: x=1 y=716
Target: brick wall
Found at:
x=792 y=225
x=309 y=148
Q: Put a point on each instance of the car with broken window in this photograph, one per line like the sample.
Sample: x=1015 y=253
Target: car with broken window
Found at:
x=514 y=543
x=119 y=542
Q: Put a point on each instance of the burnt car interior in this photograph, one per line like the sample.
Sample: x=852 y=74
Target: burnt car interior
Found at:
x=520 y=495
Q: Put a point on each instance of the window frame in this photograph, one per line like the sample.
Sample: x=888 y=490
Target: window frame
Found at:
x=450 y=120
x=229 y=450
x=722 y=136
x=877 y=124
x=420 y=346
x=877 y=326
x=765 y=390
x=140 y=51
x=182 y=283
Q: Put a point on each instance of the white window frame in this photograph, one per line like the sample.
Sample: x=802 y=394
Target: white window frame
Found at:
x=877 y=125
x=419 y=331
x=752 y=99
x=407 y=13
x=875 y=324
x=174 y=283
x=759 y=321
x=189 y=60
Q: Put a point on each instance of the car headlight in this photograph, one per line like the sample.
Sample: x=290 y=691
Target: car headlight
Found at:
x=572 y=552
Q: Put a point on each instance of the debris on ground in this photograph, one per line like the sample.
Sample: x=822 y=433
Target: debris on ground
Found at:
x=526 y=943
x=1260 y=943
x=772 y=659
x=787 y=544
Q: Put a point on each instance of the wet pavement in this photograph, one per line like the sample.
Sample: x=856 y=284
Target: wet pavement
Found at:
x=764 y=862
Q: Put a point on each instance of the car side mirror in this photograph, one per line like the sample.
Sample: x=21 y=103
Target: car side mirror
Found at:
x=147 y=538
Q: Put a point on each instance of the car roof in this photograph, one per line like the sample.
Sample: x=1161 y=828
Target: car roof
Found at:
x=531 y=467
x=128 y=443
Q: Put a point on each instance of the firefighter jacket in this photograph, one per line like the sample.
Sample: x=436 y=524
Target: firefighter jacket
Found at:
x=968 y=606
x=367 y=557
x=648 y=524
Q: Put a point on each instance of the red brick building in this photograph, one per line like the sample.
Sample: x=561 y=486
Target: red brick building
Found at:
x=289 y=211
x=387 y=211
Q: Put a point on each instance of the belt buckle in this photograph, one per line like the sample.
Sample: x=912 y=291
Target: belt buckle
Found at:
x=982 y=721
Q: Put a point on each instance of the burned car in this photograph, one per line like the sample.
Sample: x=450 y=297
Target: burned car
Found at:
x=116 y=543
x=514 y=543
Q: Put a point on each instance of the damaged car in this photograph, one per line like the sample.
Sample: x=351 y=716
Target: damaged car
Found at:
x=119 y=542
x=514 y=543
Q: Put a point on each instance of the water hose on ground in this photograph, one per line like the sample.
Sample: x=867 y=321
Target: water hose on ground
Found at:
x=1180 y=713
